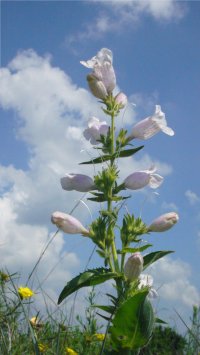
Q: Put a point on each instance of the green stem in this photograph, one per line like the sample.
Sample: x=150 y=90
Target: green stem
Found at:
x=114 y=252
x=122 y=262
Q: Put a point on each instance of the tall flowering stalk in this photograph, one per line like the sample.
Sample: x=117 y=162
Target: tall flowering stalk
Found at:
x=131 y=317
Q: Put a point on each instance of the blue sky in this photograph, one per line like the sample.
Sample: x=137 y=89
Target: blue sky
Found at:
x=45 y=105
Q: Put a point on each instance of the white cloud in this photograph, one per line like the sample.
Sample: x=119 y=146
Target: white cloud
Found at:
x=116 y=16
x=177 y=294
x=192 y=197
x=172 y=278
x=169 y=206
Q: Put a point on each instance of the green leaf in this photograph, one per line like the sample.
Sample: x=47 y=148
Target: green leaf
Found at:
x=152 y=257
x=104 y=317
x=97 y=160
x=87 y=278
x=100 y=198
x=119 y=154
x=108 y=309
x=133 y=322
x=134 y=250
x=160 y=321
x=101 y=253
x=128 y=152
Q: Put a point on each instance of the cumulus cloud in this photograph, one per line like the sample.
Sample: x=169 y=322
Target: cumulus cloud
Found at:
x=116 y=16
x=177 y=294
x=173 y=281
x=192 y=197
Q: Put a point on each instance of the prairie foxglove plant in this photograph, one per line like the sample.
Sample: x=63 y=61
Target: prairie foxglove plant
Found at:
x=130 y=317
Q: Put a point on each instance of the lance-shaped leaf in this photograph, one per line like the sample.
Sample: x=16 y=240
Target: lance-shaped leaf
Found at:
x=88 y=278
x=118 y=154
x=160 y=321
x=97 y=160
x=134 y=250
x=108 y=309
x=133 y=322
x=128 y=152
x=152 y=257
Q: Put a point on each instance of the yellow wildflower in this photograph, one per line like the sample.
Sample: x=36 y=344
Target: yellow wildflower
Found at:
x=99 y=336
x=70 y=351
x=25 y=292
x=42 y=347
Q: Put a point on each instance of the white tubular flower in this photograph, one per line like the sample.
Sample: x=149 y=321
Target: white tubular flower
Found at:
x=95 y=129
x=147 y=281
x=164 y=222
x=68 y=224
x=151 y=125
x=133 y=267
x=102 y=80
x=78 y=182
x=140 y=179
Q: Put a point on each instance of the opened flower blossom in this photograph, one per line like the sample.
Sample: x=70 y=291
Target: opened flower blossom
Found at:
x=25 y=292
x=102 y=80
x=146 y=280
x=68 y=223
x=164 y=222
x=78 y=182
x=140 y=179
x=95 y=129
x=151 y=125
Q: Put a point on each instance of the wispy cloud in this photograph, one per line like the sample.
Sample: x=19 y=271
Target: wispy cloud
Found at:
x=122 y=15
x=169 y=206
x=192 y=197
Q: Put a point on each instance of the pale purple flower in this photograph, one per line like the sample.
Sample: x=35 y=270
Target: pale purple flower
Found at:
x=95 y=129
x=147 y=281
x=121 y=99
x=151 y=125
x=164 y=222
x=102 y=80
x=133 y=266
x=78 y=182
x=140 y=179
x=68 y=224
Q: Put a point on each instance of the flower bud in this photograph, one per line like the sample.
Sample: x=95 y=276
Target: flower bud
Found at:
x=133 y=266
x=142 y=178
x=121 y=99
x=68 y=224
x=78 y=182
x=96 y=86
x=164 y=222
x=151 y=125
x=95 y=129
